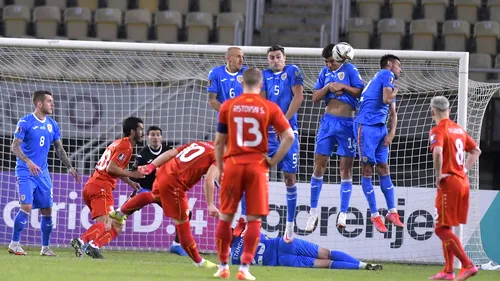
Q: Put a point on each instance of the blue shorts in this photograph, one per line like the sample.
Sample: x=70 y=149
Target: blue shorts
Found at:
x=299 y=253
x=336 y=130
x=371 y=143
x=35 y=190
x=290 y=161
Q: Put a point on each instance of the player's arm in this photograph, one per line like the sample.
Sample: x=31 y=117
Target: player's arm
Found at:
x=393 y=121
x=16 y=150
x=389 y=89
x=356 y=86
x=115 y=170
x=212 y=100
x=209 y=186
x=474 y=153
x=298 y=94
x=320 y=89
x=165 y=157
x=437 y=141
x=22 y=128
x=213 y=90
x=63 y=156
x=221 y=138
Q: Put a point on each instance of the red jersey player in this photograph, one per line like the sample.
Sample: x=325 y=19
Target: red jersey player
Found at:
x=243 y=128
x=189 y=163
x=449 y=142
x=98 y=191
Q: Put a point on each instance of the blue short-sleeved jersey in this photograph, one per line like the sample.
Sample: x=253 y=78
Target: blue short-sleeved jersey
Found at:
x=225 y=84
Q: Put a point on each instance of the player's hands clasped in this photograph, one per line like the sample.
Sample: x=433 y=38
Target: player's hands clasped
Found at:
x=75 y=174
x=336 y=88
x=213 y=211
x=34 y=169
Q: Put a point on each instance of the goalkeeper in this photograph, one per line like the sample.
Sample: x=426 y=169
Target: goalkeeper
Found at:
x=298 y=253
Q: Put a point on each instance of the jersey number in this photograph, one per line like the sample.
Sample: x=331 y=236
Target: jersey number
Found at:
x=261 y=248
x=276 y=90
x=103 y=161
x=42 y=141
x=253 y=130
x=460 y=155
x=231 y=93
x=196 y=150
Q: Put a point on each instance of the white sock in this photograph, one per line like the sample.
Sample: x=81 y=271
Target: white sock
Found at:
x=290 y=224
x=224 y=266
x=244 y=268
x=313 y=212
x=13 y=244
x=44 y=248
x=393 y=210
x=376 y=214
x=362 y=265
x=175 y=244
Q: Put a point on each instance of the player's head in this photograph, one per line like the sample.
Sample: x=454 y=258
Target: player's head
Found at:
x=392 y=63
x=276 y=58
x=154 y=136
x=440 y=108
x=252 y=80
x=234 y=59
x=43 y=102
x=327 y=54
x=133 y=127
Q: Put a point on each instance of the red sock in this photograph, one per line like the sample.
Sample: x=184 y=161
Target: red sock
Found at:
x=448 y=257
x=251 y=241
x=137 y=202
x=93 y=232
x=105 y=238
x=187 y=241
x=453 y=245
x=223 y=236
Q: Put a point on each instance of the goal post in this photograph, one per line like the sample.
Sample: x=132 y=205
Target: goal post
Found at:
x=98 y=84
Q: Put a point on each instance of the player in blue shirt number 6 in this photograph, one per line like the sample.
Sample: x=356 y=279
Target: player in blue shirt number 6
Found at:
x=377 y=107
x=339 y=85
x=34 y=134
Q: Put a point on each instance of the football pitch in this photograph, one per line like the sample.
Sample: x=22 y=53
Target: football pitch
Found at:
x=151 y=266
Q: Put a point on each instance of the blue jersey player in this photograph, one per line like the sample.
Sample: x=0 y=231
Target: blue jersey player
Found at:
x=34 y=134
x=224 y=82
x=377 y=105
x=339 y=85
x=298 y=253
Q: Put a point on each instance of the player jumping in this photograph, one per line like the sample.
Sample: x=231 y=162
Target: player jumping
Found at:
x=34 y=134
x=243 y=123
x=377 y=104
x=98 y=191
x=339 y=85
x=449 y=142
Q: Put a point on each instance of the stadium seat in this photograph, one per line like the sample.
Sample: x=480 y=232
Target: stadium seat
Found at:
x=210 y=6
x=423 y=32
x=391 y=31
x=77 y=22
x=226 y=23
x=456 y=33
x=121 y=5
x=90 y=4
x=466 y=10
x=199 y=26
x=179 y=5
x=28 y=3
x=359 y=32
x=403 y=9
x=494 y=7
x=435 y=9
x=486 y=34
x=168 y=24
x=370 y=9
x=239 y=6
x=479 y=61
x=107 y=22
x=61 y=4
x=497 y=61
x=137 y=24
x=16 y=19
x=151 y=5
x=46 y=19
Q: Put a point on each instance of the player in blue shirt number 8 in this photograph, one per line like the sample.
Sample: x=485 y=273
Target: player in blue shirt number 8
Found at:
x=377 y=105
x=224 y=82
x=34 y=134
x=339 y=85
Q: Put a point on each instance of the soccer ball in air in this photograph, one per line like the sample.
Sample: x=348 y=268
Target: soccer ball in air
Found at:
x=343 y=52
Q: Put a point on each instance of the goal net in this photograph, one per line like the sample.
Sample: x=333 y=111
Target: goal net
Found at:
x=98 y=84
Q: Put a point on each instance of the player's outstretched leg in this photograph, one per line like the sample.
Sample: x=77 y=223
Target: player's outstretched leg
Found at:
x=291 y=206
x=388 y=190
x=183 y=228
x=346 y=164
x=339 y=260
x=139 y=201
x=320 y=162
x=367 y=186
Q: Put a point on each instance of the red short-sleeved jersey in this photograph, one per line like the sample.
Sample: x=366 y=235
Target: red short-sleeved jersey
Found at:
x=455 y=142
x=247 y=118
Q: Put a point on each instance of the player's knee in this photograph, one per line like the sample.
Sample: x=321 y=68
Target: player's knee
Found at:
x=290 y=179
x=320 y=165
x=345 y=171
x=382 y=169
x=26 y=208
x=46 y=211
x=367 y=170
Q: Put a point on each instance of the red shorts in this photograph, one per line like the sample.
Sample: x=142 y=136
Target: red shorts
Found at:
x=99 y=199
x=452 y=201
x=253 y=179
x=172 y=195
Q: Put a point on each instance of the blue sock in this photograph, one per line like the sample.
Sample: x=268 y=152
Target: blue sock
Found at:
x=345 y=194
x=316 y=184
x=46 y=228
x=343 y=265
x=243 y=205
x=291 y=203
x=19 y=222
x=388 y=191
x=341 y=256
x=366 y=184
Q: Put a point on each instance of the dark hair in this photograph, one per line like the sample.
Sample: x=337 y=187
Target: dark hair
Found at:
x=153 y=128
x=252 y=77
x=40 y=96
x=130 y=124
x=274 y=48
x=328 y=51
x=387 y=58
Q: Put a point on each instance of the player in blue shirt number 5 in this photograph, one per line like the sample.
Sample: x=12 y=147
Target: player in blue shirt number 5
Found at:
x=34 y=134
x=377 y=105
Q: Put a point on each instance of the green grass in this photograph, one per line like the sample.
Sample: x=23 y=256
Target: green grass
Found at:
x=148 y=266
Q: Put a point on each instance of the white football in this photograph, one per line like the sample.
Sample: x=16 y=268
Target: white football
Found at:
x=343 y=52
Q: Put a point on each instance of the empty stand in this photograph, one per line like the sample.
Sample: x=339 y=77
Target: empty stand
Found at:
x=466 y=10
x=226 y=23
x=179 y=5
x=61 y=4
x=168 y=24
x=28 y=3
x=486 y=34
x=403 y=9
x=46 y=19
x=359 y=33
x=238 y=6
x=137 y=24
x=121 y=5
x=77 y=21
x=210 y=6
x=479 y=61
x=107 y=23
x=391 y=32
x=435 y=9
x=456 y=33
x=151 y=5
x=90 y=4
x=370 y=9
x=423 y=32
x=494 y=7
x=16 y=19
x=199 y=26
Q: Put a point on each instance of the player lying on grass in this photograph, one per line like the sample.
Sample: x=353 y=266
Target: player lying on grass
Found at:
x=298 y=253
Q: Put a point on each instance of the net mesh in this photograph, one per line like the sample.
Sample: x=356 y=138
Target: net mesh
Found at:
x=94 y=90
